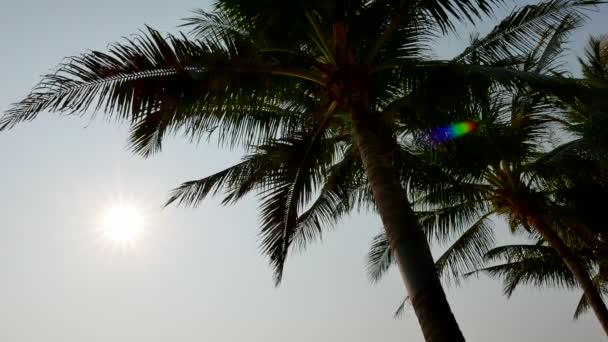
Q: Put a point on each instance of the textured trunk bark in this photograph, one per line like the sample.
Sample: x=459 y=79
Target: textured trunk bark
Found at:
x=409 y=245
x=578 y=270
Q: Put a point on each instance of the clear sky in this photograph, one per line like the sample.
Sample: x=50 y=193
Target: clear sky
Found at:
x=195 y=275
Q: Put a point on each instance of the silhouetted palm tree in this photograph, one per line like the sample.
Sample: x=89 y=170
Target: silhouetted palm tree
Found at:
x=580 y=194
x=259 y=72
x=532 y=192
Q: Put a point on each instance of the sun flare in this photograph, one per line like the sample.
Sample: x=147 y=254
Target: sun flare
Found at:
x=122 y=223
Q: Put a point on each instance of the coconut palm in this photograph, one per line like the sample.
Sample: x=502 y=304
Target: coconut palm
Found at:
x=540 y=195
x=257 y=73
x=334 y=198
x=580 y=193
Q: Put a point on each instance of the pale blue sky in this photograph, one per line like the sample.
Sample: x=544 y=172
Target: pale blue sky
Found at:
x=196 y=275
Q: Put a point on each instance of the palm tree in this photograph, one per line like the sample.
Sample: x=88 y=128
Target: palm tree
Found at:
x=532 y=192
x=579 y=194
x=257 y=73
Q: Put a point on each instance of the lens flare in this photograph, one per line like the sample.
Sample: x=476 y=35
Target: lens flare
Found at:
x=449 y=132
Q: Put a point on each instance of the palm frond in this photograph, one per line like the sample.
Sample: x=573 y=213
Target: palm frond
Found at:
x=453 y=194
x=285 y=173
x=479 y=79
x=445 y=12
x=519 y=33
x=401 y=308
x=287 y=191
x=556 y=85
x=162 y=85
x=320 y=37
x=236 y=181
x=446 y=223
x=595 y=63
x=536 y=265
x=208 y=25
x=553 y=49
x=556 y=164
x=379 y=257
x=333 y=200
x=466 y=253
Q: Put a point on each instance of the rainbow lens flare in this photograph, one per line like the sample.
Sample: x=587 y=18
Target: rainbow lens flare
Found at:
x=446 y=133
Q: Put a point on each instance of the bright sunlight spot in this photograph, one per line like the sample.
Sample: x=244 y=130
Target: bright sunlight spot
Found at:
x=122 y=223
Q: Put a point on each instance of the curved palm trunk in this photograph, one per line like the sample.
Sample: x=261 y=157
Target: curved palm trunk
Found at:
x=578 y=270
x=406 y=237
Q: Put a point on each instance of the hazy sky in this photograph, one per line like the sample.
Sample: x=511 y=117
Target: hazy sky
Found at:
x=196 y=275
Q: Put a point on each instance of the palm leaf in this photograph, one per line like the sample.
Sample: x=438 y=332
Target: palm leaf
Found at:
x=288 y=190
x=595 y=64
x=446 y=223
x=553 y=50
x=466 y=253
x=379 y=257
x=161 y=85
x=236 y=180
x=333 y=200
x=401 y=308
x=207 y=25
x=285 y=173
x=445 y=12
x=519 y=33
x=536 y=265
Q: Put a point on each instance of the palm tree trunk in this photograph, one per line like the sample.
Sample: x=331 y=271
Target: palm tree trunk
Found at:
x=578 y=270
x=408 y=242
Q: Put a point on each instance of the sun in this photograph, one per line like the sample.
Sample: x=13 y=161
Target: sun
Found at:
x=122 y=223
